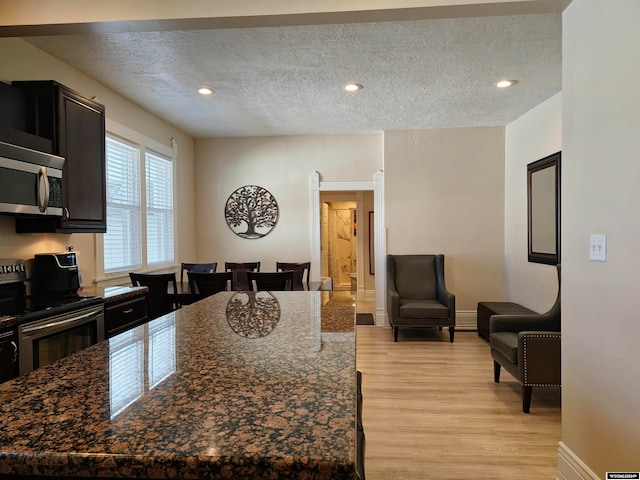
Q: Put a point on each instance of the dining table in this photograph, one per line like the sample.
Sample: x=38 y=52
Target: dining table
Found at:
x=239 y=385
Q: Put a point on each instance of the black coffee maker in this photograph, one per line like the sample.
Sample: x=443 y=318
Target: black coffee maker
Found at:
x=55 y=274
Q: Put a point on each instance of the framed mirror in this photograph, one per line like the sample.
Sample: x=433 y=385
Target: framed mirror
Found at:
x=543 y=205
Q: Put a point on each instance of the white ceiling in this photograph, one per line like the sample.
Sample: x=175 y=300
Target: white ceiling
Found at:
x=287 y=80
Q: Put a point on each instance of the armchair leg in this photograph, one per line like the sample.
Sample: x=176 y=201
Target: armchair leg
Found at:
x=526 y=398
x=395 y=334
x=451 y=332
x=496 y=372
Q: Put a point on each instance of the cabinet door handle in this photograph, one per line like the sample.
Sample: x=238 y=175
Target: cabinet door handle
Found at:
x=14 y=358
x=127 y=311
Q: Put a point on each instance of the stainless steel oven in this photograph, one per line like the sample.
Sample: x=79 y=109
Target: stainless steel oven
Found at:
x=59 y=332
x=54 y=321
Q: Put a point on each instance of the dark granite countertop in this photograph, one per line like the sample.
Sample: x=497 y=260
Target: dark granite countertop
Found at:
x=112 y=294
x=239 y=385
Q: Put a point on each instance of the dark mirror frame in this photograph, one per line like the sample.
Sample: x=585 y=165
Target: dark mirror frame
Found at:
x=553 y=162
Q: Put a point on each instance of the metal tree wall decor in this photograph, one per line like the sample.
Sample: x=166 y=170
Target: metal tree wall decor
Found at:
x=251 y=212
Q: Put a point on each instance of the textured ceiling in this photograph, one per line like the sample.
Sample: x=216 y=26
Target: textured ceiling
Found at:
x=419 y=74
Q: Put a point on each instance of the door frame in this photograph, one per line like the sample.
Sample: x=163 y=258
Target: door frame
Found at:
x=377 y=186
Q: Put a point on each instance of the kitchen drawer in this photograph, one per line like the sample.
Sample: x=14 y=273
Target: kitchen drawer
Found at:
x=123 y=315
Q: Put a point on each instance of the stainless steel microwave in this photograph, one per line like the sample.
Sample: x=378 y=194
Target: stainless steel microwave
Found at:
x=30 y=181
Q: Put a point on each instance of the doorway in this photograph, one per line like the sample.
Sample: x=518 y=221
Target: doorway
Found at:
x=339 y=243
x=375 y=247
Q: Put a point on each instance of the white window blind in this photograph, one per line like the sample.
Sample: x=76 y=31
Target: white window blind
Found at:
x=123 y=240
x=159 y=179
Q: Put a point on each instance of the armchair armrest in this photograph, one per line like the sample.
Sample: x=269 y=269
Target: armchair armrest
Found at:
x=393 y=303
x=447 y=298
x=444 y=296
x=539 y=354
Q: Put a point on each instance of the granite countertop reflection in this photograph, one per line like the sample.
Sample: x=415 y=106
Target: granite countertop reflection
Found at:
x=239 y=385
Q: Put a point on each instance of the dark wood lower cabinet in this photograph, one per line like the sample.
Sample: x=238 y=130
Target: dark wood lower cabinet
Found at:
x=122 y=315
x=8 y=354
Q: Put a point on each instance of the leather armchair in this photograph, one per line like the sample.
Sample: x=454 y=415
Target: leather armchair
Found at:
x=417 y=295
x=528 y=347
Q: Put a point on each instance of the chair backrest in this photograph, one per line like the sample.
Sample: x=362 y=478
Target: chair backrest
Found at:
x=239 y=281
x=159 y=300
x=298 y=270
x=552 y=316
x=416 y=276
x=270 y=281
x=205 y=284
x=197 y=267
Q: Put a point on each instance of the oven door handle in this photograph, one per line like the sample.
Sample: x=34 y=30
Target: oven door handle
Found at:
x=79 y=319
x=14 y=357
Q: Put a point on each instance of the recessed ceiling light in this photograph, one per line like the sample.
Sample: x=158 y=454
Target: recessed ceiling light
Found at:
x=205 y=91
x=352 y=87
x=506 y=83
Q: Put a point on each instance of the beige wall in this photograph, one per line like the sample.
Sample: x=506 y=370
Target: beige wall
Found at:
x=21 y=61
x=444 y=193
x=282 y=165
x=533 y=136
x=601 y=168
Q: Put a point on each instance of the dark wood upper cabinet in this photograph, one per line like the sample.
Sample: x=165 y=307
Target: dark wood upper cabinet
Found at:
x=76 y=126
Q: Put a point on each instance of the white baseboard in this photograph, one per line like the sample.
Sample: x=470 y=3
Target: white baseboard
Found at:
x=382 y=320
x=366 y=295
x=466 y=320
x=570 y=467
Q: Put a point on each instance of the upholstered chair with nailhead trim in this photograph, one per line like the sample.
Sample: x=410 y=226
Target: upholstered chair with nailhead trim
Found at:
x=528 y=347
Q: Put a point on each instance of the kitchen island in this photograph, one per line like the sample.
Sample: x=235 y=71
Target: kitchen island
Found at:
x=240 y=385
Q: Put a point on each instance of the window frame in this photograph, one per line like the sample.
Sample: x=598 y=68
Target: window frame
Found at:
x=159 y=156
x=144 y=143
x=137 y=207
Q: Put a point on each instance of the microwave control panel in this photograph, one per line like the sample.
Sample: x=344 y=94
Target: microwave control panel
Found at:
x=55 y=192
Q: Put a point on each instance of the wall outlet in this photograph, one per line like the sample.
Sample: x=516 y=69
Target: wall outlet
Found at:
x=598 y=247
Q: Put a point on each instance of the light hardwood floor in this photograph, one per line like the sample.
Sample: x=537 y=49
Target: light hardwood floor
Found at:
x=432 y=411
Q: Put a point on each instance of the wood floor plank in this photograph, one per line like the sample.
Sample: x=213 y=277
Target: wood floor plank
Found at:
x=432 y=411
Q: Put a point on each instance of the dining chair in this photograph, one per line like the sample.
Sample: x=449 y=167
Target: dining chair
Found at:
x=205 y=284
x=270 y=281
x=239 y=270
x=197 y=267
x=298 y=269
x=159 y=299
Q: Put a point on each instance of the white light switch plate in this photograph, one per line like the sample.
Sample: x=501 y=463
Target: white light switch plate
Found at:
x=598 y=247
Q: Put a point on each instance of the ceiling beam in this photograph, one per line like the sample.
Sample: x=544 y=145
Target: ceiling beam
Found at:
x=19 y=18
